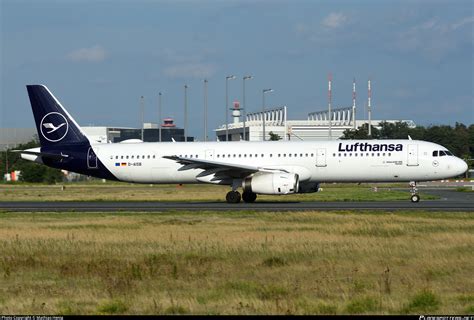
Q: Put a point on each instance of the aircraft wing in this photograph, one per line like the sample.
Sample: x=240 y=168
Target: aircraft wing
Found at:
x=213 y=167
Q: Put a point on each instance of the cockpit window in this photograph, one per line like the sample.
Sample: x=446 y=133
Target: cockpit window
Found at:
x=435 y=153
x=442 y=153
x=449 y=153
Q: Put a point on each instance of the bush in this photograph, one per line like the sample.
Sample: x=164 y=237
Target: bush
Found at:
x=362 y=305
x=424 y=301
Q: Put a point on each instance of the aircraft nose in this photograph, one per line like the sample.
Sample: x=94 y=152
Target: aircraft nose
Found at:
x=461 y=166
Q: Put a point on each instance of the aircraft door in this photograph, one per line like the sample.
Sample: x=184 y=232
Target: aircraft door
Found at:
x=209 y=154
x=412 y=159
x=91 y=159
x=321 y=157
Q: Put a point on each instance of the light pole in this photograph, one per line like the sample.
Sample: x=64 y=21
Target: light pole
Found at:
x=159 y=116
x=243 y=100
x=185 y=113
x=232 y=77
x=263 y=109
x=205 y=109
x=142 y=111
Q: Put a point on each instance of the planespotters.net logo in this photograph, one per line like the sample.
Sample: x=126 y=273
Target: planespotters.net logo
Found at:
x=54 y=127
x=432 y=317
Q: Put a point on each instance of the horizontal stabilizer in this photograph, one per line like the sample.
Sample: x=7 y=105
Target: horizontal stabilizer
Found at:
x=52 y=156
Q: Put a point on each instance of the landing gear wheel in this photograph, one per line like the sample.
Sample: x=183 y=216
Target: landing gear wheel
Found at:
x=249 y=196
x=233 y=197
x=414 y=192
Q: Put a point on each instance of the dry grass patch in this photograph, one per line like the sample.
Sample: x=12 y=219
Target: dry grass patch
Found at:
x=234 y=262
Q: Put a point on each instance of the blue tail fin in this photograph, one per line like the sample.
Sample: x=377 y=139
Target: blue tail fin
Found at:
x=54 y=124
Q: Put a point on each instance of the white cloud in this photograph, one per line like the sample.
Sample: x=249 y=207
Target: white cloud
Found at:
x=434 y=39
x=462 y=22
x=190 y=70
x=92 y=54
x=334 y=20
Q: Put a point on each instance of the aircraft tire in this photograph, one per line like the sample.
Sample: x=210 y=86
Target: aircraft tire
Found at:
x=233 y=197
x=415 y=198
x=249 y=197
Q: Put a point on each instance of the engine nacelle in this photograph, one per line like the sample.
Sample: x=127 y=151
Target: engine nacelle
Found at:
x=271 y=183
x=308 y=187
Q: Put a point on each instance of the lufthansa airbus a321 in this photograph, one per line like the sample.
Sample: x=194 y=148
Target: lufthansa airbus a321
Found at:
x=275 y=168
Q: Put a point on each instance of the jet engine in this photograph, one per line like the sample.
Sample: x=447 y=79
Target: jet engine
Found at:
x=271 y=183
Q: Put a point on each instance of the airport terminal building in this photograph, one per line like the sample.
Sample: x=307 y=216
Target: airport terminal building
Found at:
x=12 y=137
x=314 y=128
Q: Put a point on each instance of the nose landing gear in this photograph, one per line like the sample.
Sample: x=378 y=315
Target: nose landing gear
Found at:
x=415 y=197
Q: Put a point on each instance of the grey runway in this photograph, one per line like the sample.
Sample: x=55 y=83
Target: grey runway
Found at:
x=450 y=201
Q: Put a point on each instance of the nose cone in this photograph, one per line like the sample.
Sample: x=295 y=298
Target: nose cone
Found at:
x=461 y=166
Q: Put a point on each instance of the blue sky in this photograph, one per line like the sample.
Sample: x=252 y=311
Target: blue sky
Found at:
x=99 y=57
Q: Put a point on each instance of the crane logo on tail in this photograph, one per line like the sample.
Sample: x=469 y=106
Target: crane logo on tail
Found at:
x=54 y=127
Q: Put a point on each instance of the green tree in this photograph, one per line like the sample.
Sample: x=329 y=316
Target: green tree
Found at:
x=361 y=133
x=274 y=136
x=30 y=171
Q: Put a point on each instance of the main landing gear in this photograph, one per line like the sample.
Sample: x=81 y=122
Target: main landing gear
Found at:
x=415 y=197
x=235 y=197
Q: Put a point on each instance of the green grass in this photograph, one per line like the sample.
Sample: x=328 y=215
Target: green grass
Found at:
x=202 y=192
x=370 y=262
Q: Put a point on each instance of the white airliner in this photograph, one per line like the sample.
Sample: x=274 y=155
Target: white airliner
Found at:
x=273 y=167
